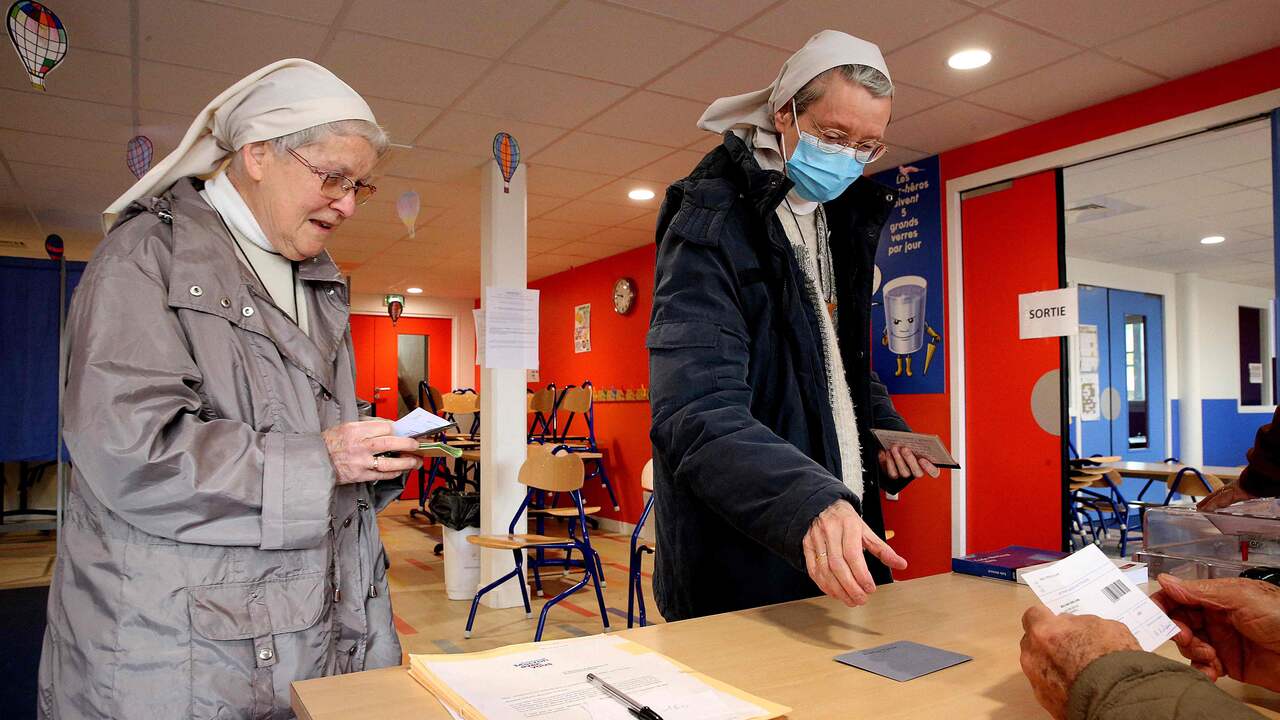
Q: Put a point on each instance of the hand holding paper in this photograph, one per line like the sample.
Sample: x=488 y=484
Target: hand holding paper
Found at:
x=1088 y=583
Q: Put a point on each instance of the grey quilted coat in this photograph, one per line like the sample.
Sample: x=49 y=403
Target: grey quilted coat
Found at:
x=207 y=558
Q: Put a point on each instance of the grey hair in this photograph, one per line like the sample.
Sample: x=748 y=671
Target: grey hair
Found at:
x=868 y=77
x=376 y=136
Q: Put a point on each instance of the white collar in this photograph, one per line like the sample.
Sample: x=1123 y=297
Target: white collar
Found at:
x=766 y=148
x=224 y=198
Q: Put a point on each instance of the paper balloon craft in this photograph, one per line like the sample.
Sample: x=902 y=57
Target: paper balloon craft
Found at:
x=53 y=245
x=407 y=207
x=394 y=309
x=39 y=38
x=138 y=157
x=506 y=152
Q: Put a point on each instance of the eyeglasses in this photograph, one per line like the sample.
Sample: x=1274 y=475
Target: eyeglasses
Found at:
x=864 y=151
x=335 y=185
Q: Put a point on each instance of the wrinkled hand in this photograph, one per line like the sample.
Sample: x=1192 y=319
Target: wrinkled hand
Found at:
x=833 y=554
x=1228 y=494
x=1229 y=626
x=352 y=447
x=1057 y=648
x=900 y=462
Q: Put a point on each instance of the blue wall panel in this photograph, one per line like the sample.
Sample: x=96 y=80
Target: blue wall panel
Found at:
x=1228 y=433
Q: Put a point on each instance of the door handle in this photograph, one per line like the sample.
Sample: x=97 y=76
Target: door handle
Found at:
x=377 y=394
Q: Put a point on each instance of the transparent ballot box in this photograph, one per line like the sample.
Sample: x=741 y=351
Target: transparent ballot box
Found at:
x=1223 y=543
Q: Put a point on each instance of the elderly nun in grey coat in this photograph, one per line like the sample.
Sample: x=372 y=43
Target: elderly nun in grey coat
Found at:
x=220 y=538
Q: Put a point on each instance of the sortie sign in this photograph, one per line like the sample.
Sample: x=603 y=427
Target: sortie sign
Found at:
x=1052 y=313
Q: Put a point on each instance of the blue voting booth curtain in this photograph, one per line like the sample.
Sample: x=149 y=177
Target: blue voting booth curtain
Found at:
x=29 y=359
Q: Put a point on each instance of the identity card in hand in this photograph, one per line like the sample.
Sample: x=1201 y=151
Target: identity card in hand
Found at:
x=1088 y=583
x=419 y=422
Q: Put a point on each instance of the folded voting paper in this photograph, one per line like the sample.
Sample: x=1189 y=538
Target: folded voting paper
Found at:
x=418 y=423
x=548 y=681
x=1088 y=583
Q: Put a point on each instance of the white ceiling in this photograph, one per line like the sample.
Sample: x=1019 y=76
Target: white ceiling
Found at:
x=1159 y=201
x=602 y=95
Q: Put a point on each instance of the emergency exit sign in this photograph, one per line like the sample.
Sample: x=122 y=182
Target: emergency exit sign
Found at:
x=388 y=299
x=1052 y=313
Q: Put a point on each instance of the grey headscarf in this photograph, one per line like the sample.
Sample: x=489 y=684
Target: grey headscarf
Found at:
x=279 y=99
x=750 y=116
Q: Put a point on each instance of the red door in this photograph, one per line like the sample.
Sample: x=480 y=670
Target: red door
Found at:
x=1010 y=241
x=378 y=348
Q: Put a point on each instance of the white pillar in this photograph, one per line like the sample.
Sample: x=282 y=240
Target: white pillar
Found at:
x=503 y=260
x=1187 y=289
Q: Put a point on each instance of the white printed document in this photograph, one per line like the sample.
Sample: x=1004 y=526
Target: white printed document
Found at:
x=510 y=328
x=419 y=422
x=1088 y=583
x=548 y=681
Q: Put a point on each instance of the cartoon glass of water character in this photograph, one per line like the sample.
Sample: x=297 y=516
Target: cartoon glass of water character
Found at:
x=905 y=326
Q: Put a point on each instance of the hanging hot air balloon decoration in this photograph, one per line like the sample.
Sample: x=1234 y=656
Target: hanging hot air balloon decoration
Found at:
x=407 y=207
x=53 y=245
x=138 y=157
x=39 y=38
x=506 y=152
x=394 y=309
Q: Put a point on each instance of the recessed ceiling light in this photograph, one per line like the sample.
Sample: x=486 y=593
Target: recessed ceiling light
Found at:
x=1212 y=240
x=969 y=59
x=641 y=194
x=414 y=291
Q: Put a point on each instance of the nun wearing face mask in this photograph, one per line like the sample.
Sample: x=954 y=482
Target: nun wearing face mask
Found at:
x=220 y=538
x=767 y=477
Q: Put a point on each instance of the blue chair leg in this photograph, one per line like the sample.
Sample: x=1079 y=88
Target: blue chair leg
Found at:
x=608 y=486
x=475 y=602
x=542 y=617
x=593 y=571
x=631 y=592
x=524 y=591
x=644 y=620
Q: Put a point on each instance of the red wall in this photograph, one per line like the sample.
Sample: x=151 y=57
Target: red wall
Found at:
x=617 y=359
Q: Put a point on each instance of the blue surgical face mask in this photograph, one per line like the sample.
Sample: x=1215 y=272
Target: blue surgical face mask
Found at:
x=819 y=176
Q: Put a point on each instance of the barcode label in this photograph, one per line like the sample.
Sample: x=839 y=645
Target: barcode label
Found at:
x=1115 y=590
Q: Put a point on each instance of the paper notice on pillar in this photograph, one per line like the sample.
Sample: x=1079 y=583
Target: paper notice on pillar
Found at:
x=510 y=328
x=1255 y=373
x=479 y=318
x=1052 y=313
x=1089 y=398
x=1088 y=348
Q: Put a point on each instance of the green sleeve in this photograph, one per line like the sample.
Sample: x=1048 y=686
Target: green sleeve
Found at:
x=1132 y=684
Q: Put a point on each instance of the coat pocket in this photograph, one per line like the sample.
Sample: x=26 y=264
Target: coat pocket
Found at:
x=248 y=644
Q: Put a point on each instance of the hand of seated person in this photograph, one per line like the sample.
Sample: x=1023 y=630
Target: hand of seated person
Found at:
x=833 y=554
x=1057 y=648
x=1228 y=626
x=1228 y=494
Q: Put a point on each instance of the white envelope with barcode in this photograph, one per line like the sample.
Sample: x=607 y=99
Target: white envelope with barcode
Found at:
x=1088 y=583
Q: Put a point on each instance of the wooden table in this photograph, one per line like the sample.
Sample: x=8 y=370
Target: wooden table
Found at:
x=784 y=653
x=1160 y=471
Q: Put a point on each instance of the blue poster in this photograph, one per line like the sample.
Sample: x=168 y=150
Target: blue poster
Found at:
x=908 y=347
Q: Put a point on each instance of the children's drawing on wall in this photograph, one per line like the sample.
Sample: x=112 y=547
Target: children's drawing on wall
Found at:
x=905 y=325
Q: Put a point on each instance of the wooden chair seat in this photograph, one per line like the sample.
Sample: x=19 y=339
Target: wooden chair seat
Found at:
x=589 y=455
x=564 y=511
x=515 y=542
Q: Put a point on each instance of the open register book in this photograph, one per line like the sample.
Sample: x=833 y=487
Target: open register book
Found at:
x=548 y=681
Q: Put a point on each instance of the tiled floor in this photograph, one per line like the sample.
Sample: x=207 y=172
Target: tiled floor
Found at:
x=427 y=620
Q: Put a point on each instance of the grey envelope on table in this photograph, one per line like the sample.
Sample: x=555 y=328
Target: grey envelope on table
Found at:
x=902 y=660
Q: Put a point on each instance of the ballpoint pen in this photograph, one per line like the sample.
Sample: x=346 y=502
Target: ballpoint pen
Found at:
x=636 y=709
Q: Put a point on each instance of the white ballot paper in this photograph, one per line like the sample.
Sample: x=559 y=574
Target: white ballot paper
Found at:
x=419 y=422
x=548 y=681
x=1088 y=583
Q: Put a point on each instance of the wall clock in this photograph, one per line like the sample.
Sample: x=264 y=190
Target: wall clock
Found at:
x=624 y=295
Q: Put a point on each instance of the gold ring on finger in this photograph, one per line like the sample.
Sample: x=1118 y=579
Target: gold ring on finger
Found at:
x=375 y=464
